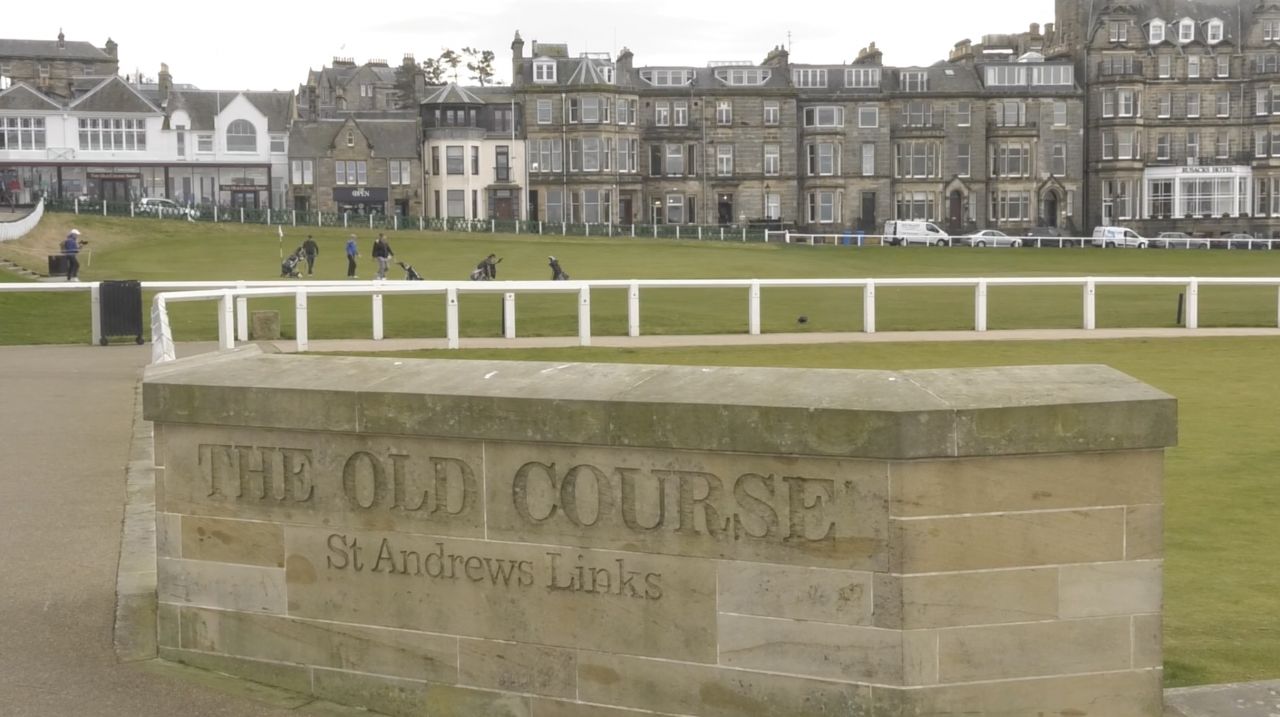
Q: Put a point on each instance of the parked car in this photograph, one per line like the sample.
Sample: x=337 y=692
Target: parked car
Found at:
x=1247 y=241
x=1178 y=240
x=162 y=207
x=1118 y=237
x=1048 y=237
x=988 y=237
x=904 y=233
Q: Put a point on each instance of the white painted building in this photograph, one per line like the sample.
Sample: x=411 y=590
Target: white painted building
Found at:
x=474 y=162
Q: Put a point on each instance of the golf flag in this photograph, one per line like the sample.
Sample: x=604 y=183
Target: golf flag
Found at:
x=280 y=231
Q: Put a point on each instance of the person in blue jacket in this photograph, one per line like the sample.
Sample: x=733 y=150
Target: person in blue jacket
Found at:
x=71 y=249
x=352 y=253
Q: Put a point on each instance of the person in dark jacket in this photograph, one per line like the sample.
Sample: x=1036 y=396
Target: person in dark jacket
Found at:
x=382 y=254
x=310 y=250
x=557 y=274
x=488 y=267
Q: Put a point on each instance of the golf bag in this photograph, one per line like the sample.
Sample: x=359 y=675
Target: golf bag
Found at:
x=289 y=267
x=410 y=274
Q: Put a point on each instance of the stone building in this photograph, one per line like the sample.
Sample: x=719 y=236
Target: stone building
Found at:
x=474 y=159
x=357 y=166
x=347 y=87
x=52 y=67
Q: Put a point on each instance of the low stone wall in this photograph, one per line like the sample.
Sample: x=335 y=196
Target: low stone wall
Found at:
x=493 y=538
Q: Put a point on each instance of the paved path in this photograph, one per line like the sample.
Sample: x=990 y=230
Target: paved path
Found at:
x=65 y=423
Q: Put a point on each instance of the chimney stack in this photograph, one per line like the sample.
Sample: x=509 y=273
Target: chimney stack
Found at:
x=517 y=59
x=165 y=83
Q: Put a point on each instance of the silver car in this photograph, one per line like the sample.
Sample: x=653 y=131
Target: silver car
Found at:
x=988 y=237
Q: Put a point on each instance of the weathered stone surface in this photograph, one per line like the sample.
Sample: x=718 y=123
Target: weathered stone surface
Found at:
x=1008 y=540
x=1106 y=589
x=630 y=603
x=514 y=667
x=167 y=617
x=233 y=541
x=168 y=534
x=1034 y=650
x=220 y=585
x=810 y=649
x=411 y=485
x=836 y=596
x=295 y=678
x=712 y=691
x=559 y=708
x=762 y=508
x=1144 y=532
x=1022 y=483
x=396 y=653
x=1117 y=694
x=414 y=699
x=264 y=325
x=1148 y=641
x=978 y=598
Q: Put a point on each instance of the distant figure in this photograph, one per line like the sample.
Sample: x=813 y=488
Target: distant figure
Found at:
x=71 y=248
x=310 y=250
x=352 y=254
x=289 y=267
x=489 y=267
x=557 y=274
x=382 y=253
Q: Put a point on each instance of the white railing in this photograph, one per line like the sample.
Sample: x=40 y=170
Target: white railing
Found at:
x=847 y=238
x=19 y=228
x=233 y=297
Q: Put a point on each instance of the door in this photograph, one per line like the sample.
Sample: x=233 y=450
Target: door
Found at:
x=247 y=200
x=624 y=210
x=114 y=190
x=1050 y=215
x=868 y=222
x=955 y=212
x=724 y=209
x=1108 y=210
x=300 y=204
x=504 y=206
x=533 y=205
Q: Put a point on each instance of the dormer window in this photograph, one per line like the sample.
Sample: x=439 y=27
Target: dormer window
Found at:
x=1157 y=32
x=606 y=73
x=544 y=71
x=1119 y=31
x=1270 y=30
x=1214 y=34
x=1186 y=31
x=914 y=81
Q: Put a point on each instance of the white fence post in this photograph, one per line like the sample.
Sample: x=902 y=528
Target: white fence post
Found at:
x=300 y=319
x=95 y=314
x=1193 y=304
x=104 y=207
x=242 y=314
x=345 y=219
x=377 y=317
x=753 y=309
x=293 y=217
x=633 y=310
x=215 y=214
x=77 y=204
x=869 y=308
x=980 y=307
x=1090 y=305
x=451 y=316
x=509 y=314
x=371 y=221
x=226 y=320
x=242 y=215
x=584 y=315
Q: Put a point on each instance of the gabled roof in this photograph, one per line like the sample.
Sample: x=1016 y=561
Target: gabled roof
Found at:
x=202 y=106
x=114 y=95
x=588 y=72
x=451 y=94
x=48 y=49
x=21 y=97
x=395 y=138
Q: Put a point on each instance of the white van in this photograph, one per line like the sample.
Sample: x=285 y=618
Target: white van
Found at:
x=1118 y=236
x=901 y=233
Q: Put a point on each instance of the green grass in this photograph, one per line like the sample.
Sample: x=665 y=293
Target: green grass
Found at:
x=1222 y=593
x=1222 y=611
x=150 y=249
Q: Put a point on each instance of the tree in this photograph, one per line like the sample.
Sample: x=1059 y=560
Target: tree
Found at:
x=433 y=71
x=406 y=88
x=480 y=65
x=449 y=58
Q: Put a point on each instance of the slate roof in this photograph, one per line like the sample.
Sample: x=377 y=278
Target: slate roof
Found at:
x=204 y=105
x=49 y=49
x=114 y=95
x=20 y=97
x=452 y=94
x=1236 y=15
x=388 y=137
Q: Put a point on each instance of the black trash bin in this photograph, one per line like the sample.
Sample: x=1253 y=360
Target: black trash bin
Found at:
x=121 y=309
x=58 y=264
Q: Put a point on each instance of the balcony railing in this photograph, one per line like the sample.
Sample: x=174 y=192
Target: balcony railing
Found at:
x=1111 y=70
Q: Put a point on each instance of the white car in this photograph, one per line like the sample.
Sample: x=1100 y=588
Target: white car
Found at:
x=1109 y=237
x=162 y=207
x=988 y=237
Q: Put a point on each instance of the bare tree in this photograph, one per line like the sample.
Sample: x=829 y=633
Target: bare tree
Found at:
x=480 y=65
x=451 y=59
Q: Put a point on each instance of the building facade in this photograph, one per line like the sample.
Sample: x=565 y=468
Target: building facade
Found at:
x=53 y=67
x=473 y=155
x=356 y=166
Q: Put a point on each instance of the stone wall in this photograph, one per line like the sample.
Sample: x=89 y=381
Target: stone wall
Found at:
x=466 y=538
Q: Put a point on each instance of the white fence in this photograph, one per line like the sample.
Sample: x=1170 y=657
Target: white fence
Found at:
x=18 y=229
x=233 y=316
x=1039 y=242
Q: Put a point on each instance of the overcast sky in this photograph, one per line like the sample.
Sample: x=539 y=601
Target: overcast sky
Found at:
x=271 y=45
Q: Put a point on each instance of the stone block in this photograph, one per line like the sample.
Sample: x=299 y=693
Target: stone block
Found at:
x=1144 y=532
x=1134 y=693
x=1042 y=649
x=264 y=325
x=707 y=691
x=1148 y=641
x=815 y=512
x=1009 y=540
x=833 y=596
x=631 y=603
x=409 y=485
x=395 y=653
x=558 y=708
x=407 y=698
x=1025 y=483
x=296 y=678
x=168 y=534
x=233 y=541
x=220 y=585
x=167 y=625
x=964 y=599
x=515 y=667
x=811 y=649
x=1107 y=589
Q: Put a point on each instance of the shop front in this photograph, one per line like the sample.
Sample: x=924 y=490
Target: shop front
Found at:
x=1197 y=192
x=360 y=200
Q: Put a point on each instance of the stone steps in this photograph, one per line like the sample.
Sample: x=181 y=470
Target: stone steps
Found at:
x=9 y=266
